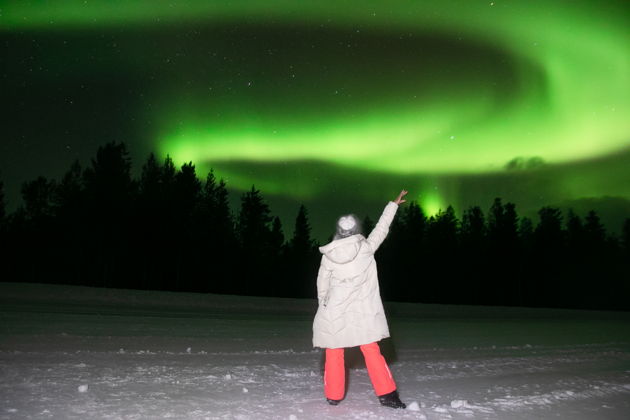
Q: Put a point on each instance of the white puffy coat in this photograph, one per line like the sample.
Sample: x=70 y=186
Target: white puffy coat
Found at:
x=350 y=311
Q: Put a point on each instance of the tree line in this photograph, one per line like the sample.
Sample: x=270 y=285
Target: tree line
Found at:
x=169 y=230
x=499 y=258
x=166 y=230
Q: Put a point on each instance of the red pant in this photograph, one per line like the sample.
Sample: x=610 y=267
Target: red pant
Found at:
x=335 y=372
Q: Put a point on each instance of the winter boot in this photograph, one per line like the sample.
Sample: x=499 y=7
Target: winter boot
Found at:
x=391 y=400
x=333 y=402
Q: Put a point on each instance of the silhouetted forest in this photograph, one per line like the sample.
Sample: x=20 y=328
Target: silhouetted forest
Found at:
x=168 y=230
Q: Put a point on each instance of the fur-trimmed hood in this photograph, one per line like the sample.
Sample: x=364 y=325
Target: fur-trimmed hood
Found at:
x=342 y=251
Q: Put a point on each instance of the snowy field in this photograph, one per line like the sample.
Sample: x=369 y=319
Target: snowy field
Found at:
x=81 y=353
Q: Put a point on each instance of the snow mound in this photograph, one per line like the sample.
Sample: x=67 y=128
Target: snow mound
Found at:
x=413 y=406
x=459 y=404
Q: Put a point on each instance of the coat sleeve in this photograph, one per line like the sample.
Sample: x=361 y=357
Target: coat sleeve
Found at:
x=323 y=282
x=378 y=234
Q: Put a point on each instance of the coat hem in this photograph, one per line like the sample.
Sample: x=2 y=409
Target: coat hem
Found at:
x=376 y=339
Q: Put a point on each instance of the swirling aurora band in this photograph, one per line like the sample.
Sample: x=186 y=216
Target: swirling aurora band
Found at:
x=568 y=98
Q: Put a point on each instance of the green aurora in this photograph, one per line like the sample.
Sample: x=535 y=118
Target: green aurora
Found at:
x=448 y=97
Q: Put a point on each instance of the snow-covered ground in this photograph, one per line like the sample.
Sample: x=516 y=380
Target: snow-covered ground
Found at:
x=77 y=352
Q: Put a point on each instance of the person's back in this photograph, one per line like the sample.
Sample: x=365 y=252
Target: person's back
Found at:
x=350 y=309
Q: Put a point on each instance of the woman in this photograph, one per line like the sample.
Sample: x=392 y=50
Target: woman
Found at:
x=350 y=310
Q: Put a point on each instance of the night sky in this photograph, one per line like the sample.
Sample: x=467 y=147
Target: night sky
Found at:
x=334 y=104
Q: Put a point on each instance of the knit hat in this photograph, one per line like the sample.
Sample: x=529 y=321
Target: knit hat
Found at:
x=347 y=225
x=347 y=222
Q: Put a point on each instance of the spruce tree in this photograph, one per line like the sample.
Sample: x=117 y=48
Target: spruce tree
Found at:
x=402 y=253
x=216 y=210
x=301 y=241
x=169 y=190
x=5 y=270
x=276 y=235
x=367 y=224
x=495 y=222
x=38 y=235
x=510 y=225
x=575 y=233
x=224 y=243
x=473 y=234
x=414 y=222
x=254 y=234
x=109 y=191
x=253 y=220
x=187 y=192
x=473 y=228
x=151 y=228
x=108 y=180
x=502 y=225
x=302 y=258
x=526 y=232
x=223 y=219
x=549 y=233
x=594 y=230
x=547 y=288
x=2 y=204
x=625 y=236
x=599 y=262
x=39 y=197
x=442 y=251
x=149 y=187
x=71 y=223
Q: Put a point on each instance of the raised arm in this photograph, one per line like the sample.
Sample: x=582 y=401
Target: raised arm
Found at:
x=378 y=234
